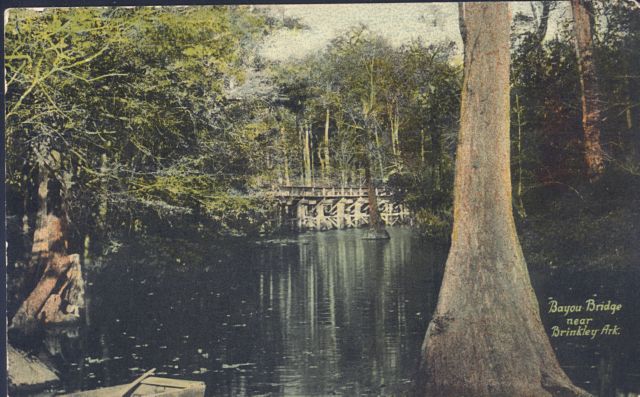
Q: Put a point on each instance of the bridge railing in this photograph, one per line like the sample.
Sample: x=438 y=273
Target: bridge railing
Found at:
x=324 y=191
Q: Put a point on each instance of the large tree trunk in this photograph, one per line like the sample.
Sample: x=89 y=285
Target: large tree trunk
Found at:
x=57 y=295
x=519 y=192
x=38 y=307
x=40 y=248
x=486 y=337
x=583 y=31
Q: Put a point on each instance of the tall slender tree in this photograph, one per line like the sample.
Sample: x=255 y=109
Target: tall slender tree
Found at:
x=486 y=337
x=327 y=158
x=583 y=32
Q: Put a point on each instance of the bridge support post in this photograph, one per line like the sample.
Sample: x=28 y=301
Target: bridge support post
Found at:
x=340 y=213
x=359 y=216
x=319 y=216
x=301 y=214
x=388 y=212
x=323 y=208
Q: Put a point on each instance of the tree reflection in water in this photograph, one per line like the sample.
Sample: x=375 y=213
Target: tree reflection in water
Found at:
x=314 y=314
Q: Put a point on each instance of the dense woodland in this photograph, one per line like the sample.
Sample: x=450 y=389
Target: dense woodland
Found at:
x=157 y=121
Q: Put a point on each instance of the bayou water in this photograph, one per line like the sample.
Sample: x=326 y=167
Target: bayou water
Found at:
x=323 y=313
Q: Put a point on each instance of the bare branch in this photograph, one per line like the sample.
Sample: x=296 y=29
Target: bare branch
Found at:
x=544 y=21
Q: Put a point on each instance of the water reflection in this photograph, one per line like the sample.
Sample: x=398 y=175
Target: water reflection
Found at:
x=318 y=314
x=334 y=314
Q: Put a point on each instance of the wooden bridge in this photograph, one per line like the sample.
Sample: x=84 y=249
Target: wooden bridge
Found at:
x=324 y=208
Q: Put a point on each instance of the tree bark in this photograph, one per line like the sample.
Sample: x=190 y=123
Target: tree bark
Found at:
x=40 y=247
x=285 y=156
x=486 y=337
x=376 y=230
x=583 y=31
x=307 y=156
x=374 y=217
x=394 y=121
x=58 y=263
x=519 y=110
x=327 y=162
x=320 y=155
x=48 y=254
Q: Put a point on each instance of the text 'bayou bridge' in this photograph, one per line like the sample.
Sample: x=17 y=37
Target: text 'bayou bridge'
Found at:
x=324 y=208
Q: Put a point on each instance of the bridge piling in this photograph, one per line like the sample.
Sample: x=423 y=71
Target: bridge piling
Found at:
x=340 y=213
x=322 y=208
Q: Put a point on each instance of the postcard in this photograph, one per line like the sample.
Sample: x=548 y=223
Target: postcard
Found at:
x=373 y=199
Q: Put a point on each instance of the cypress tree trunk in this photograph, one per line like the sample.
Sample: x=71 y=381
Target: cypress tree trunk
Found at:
x=56 y=295
x=486 y=338
x=583 y=31
x=376 y=226
x=40 y=246
x=374 y=217
x=519 y=110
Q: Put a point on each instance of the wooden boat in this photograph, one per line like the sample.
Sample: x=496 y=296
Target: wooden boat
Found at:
x=148 y=386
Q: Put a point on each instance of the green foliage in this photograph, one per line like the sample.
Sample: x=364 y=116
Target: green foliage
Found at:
x=545 y=80
x=136 y=101
x=168 y=115
x=396 y=107
x=563 y=209
x=437 y=226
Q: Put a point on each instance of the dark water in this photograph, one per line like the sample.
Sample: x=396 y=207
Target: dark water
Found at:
x=318 y=314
